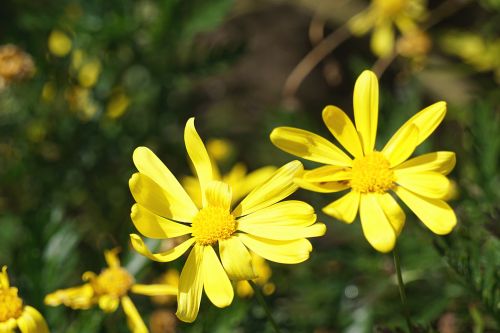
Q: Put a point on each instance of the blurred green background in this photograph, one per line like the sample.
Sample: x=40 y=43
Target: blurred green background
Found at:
x=99 y=78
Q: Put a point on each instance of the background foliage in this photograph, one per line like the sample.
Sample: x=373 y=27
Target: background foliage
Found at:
x=113 y=75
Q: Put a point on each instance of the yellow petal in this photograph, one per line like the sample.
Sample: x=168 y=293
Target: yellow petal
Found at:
x=108 y=303
x=218 y=194
x=215 y=280
x=4 y=278
x=191 y=286
x=427 y=120
x=365 y=102
x=434 y=213
x=276 y=188
x=327 y=173
x=31 y=321
x=285 y=252
x=285 y=213
x=154 y=289
x=150 y=165
x=150 y=195
x=382 y=41
x=401 y=145
x=284 y=232
x=440 y=161
x=111 y=257
x=427 y=183
x=393 y=211
x=309 y=146
x=236 y=259
x=80 y=297
x=172 y=254
x=344 y=209
x=8 y=326
x=376 y=227
x=154 y=226
x=198 y=155
x=322 y=187
x=342 y=129
x=361 y=22
x=134 y=320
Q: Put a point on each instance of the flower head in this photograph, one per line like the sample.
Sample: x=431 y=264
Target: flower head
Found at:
x=14 y=314
x=15 y=65
x=261 y=222
x=381 y=17
x=108 y=289
x=372 y=175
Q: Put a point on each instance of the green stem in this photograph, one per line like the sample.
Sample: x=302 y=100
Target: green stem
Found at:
x=263 y=303
x=401 y=287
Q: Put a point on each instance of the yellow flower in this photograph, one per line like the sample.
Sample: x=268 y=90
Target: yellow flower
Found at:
x=14 y=314
x=381 y=17
x=261 y=223
x=237 y=178
x=108 y=290
x=59 y=43
x=419 y=182
x=219 y=149
x=15 y=65
x=263 y=272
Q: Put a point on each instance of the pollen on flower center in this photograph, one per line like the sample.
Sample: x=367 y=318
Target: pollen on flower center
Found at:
x=212 y=224
x=390 y=7
x=372 y=173
x=114 y=281
x=11 y=306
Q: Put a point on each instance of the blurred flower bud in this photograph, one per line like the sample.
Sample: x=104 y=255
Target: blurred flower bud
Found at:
x=59 y=43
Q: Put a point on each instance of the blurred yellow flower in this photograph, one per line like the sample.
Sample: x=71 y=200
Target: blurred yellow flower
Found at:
x=108 y=289
x=118 y=104
x=15 y=65
x=474 y=49
x=263 y=273
x=381 y=16
x=237 y=178
x=80 y=101
x=420 y=182
x=261 y=222
x=89 y=73
x=219 y=149
x=59 y=43
x=170 y=277
x=415 y=44
x=14 y=314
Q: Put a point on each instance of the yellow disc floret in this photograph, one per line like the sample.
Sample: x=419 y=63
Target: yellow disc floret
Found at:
x=113 y=281
x=11 y=306
x=212 y=224
x=372 y=174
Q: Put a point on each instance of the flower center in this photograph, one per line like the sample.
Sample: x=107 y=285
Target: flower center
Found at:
x=372 y=173
x=114 y=281
x=390 y=8
x=11 y=306
x=212 y=224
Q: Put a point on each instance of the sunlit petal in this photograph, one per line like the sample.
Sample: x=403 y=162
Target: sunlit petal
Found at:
x=393 y=211
x=154 y=226
x=191 y=286
x=285 y=252
x=344 y=209
x=376 y=226
x=342 y=129
x=309 y=146
x=198 y=155
x=154 y=289
x=327 y=173
x=401 y=145
x=236 y=259
x=440 y=161
x=427 y=183
x=172 y=254
x=218 y=194
x=322 y=187
x=134 y=320
x=215 y=280
x=436 y=214
x=365 y=100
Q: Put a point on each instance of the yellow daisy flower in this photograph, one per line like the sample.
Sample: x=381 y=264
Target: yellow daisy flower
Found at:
x=14 y=314
x=381 y=17
x=261 y=223
x=108 y=290
x=370 y=175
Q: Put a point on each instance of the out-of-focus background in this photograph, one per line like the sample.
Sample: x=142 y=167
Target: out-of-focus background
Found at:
x=82 y=83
